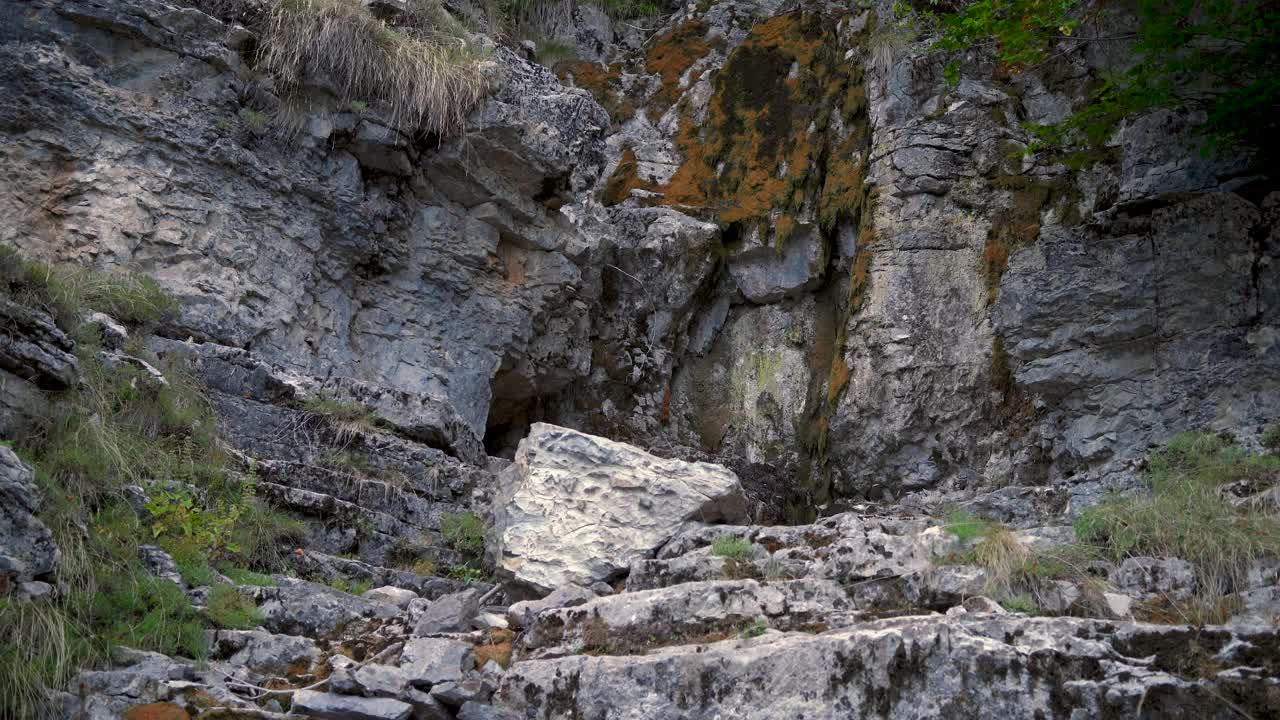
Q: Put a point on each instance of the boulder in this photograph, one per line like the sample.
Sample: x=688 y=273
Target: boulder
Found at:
x=1149 y=577
x=348 y=707
x=575 y=508
x=429 y=661
x=27 y=549
x=451 y=613
x=521 y=614
x=369 y=681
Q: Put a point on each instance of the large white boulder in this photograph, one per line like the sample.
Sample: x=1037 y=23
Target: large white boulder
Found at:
x=576 y=508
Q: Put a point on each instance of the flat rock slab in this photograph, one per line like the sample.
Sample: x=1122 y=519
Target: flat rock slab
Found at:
x=430 y=661
x=348 y=707
x=633 y=622
x=913 y=668
x=575 y=508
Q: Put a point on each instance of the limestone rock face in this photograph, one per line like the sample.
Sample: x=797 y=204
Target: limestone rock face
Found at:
x=578 y=508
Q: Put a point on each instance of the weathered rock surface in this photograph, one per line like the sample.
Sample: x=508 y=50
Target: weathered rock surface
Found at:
x=27 y=549
x=917 y=667
x=346 y=707
x=579 y=508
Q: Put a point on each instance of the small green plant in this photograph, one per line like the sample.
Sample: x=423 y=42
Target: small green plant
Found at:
x=350 y=586
x=222 y=125
x=465 y=573
x=230 y=610
x=965 y=526
x=1271 y=438
x=359 y=106
x=263 y=537
x=254 y=119
x=423 y=566
x=348 y=419
x=40 y=647
x=731 y=547
x=463 y=532
x=756 y=629
x=1021 y=603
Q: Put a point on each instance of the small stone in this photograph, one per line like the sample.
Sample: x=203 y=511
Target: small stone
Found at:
x=490 y=621
x=391 y=595
x=1118 y=605
x=114 y=335
x=523 y=613
x=35 y=590
x=601 y=588
x=956 y=610
x=426 y=707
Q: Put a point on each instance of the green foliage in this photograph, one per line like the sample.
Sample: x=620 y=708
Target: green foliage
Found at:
x=965 y=525
x=40 y=647
x=241 y=576
x=69 y=292
x=465 y=573
x=1021 y=603
x=230 y=610
x=136 y=610
x=732 y=547
x=1271 y=437
x=352 y=587
x=1217 y=56
x=263 y=537
x=463 y=532
x=1184 y=514
x=254 y=119
x=756 y=629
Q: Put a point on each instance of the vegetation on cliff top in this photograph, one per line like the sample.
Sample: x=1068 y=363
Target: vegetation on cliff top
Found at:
x=424 y=70
x=1217 y=56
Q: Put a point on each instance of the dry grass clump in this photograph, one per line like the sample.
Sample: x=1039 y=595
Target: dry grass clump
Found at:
x=426 y=71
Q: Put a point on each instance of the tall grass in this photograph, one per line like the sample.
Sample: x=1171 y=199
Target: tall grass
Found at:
x=1185 y=514
x=426 y=72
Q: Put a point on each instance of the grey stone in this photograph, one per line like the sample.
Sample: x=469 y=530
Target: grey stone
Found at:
x=983 y=606
x=160 y=564
x=370 y=680
x=114 y=335
x=428 y=661
x=264 y=652
x=27 y=549
x=456 y=693
x=1148 y=577
x=347 y=707
x=33 y=348
x=310 y=609
x=482 y=711
x=765 y=275
x=391 y=595
x=451 y=613
x=426 y=707
x=545 y=534
x=35 y=590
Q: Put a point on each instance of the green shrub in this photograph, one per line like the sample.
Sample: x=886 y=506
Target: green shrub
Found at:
x=230 y=610
x=732 y=547
x=756 y=629
x=463 y=532
x=1271 y=437
x=426 y=72
x=465 y=573
x=1184 y=515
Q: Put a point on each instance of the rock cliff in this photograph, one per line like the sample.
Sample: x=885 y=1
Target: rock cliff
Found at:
x=749 y=261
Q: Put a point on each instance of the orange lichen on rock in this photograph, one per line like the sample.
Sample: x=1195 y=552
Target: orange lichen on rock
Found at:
x=603 y=82
x=670 y=58
x=156 y=711
x=762 y=154
x=624 y=179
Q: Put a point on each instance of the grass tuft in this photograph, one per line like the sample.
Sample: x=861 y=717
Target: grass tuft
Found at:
x=966 y=526
x=427 y=72
x=463 y=532
x=1185 y=515
x=732 y=547
x=230 y=610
